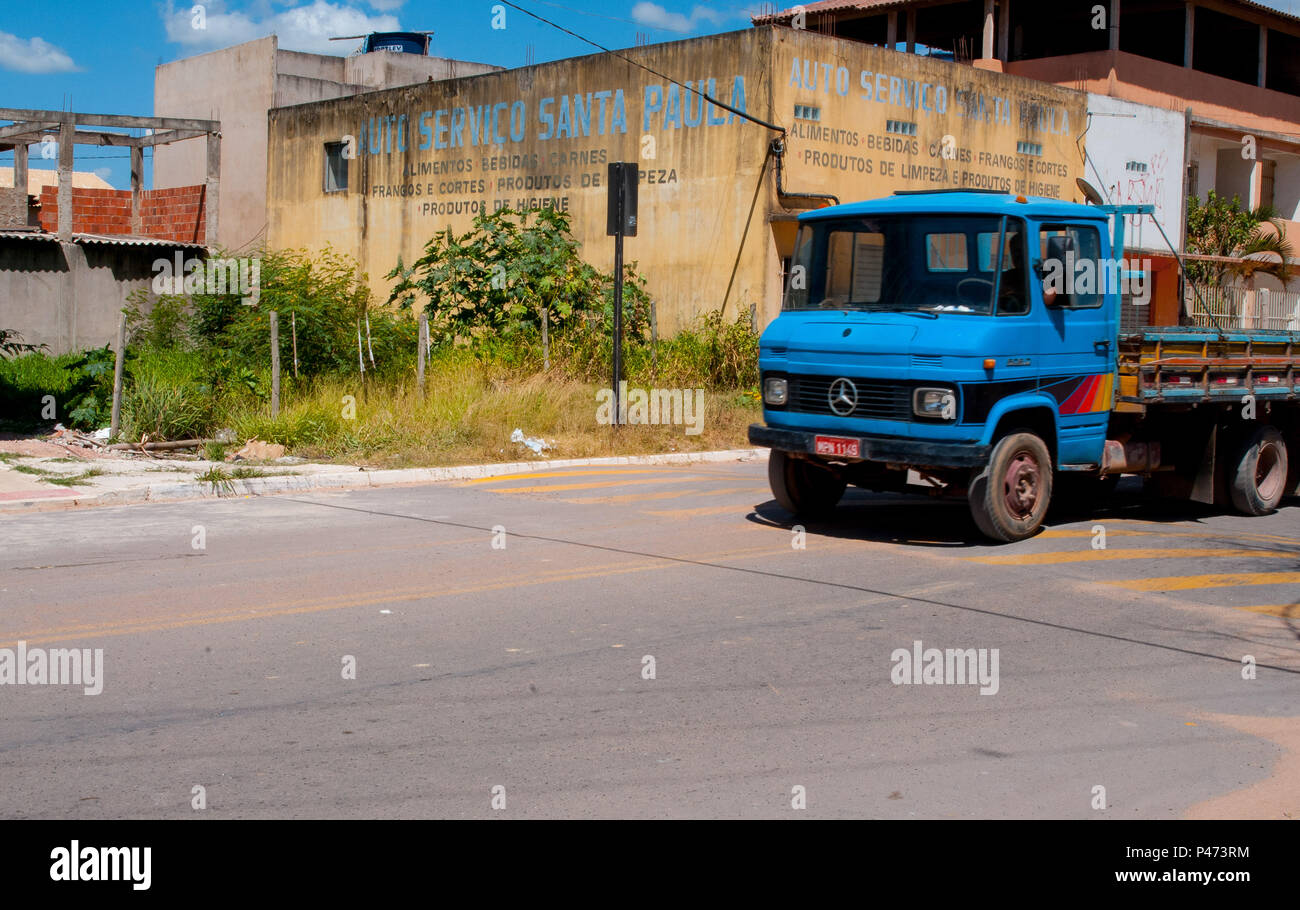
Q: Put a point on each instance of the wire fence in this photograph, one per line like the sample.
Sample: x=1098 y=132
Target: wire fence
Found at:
x=1238 y=308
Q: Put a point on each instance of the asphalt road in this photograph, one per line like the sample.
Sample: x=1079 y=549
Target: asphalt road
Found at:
x=523 y=666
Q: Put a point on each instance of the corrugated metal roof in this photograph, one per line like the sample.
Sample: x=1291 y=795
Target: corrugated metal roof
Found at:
x=130 y=240
x=26 y=235
x=828 y=6
x=110 y=239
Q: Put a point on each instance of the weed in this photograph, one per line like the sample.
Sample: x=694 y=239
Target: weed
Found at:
x=220 y=479
x=64 y=480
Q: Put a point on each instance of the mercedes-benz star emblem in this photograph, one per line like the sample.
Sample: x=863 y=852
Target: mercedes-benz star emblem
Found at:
x=843 y=397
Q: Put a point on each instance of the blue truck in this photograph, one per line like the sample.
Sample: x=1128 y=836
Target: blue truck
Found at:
x=968 y=342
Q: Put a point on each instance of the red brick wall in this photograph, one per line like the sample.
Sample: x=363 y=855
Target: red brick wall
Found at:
x=172 y=214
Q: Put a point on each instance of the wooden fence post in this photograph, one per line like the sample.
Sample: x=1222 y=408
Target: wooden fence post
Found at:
x=116 y=421
x=275 y=364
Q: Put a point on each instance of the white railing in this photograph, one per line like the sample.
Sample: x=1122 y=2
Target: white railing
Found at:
x=1235 y=307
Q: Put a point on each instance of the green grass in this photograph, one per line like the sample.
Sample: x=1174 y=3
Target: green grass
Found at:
x=31 y=469
x=220 y=479
x=249 y=473
x=474 y=400
x=76 y=480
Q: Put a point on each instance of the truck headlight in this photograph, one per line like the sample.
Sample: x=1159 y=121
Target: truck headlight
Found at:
x=937 y=404
x=776 y=391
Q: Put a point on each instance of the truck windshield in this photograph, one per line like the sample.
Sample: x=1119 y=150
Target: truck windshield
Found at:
x=934 y=264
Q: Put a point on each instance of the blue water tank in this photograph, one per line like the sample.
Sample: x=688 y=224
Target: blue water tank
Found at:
x=402 y=42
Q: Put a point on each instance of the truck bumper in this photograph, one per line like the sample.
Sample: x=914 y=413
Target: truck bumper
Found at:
x=895 y=451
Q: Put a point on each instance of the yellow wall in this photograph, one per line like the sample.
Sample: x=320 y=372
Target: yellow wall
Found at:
x=707 y=196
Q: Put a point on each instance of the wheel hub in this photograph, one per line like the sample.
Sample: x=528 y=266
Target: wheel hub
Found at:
x=1020 y=485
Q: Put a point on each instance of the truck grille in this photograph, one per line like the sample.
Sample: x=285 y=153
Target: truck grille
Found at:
x=876 y=400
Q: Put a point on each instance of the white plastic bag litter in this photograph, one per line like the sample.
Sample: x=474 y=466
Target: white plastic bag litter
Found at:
x=533 y=443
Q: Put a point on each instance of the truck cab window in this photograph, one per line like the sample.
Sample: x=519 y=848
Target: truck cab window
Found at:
x=928 y=264
x=1071 y=265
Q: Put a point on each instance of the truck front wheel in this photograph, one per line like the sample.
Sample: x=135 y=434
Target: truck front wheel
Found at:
x=801 y=487
x=1259 y=478
x=1009 y=498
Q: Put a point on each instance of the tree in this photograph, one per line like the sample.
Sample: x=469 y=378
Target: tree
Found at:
x=502 y=275
x=1223 y=228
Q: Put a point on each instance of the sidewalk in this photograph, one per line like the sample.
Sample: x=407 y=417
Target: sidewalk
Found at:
x=124 y=482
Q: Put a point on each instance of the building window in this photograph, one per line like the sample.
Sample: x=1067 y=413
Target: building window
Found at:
x=1029 y=148
x=336 y=167
x=901 y=127
x=807 y=112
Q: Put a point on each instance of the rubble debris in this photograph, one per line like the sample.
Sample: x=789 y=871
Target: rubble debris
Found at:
x=256 y=450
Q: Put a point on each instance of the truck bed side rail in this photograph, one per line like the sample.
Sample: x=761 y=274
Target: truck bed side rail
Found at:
x=1186 y=365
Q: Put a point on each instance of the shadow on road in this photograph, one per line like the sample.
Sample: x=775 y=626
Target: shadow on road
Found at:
x=924 y=521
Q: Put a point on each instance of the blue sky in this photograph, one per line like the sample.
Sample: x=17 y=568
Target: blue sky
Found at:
x=99 y=55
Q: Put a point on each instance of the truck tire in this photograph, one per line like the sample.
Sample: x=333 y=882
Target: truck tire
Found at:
x=801 y=487
x=1009 y=497
x=1259 y=478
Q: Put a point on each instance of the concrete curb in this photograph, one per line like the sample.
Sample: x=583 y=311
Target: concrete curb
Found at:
x=361 y=478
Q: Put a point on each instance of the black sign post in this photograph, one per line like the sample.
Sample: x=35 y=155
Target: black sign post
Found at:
x=620 y=222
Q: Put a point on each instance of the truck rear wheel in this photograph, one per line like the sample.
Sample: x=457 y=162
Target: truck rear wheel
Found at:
x=801 y=487
x=1009 y=498
x=1259 y=478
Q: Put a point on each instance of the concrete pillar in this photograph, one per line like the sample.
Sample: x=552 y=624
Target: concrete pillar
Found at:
x=212 y=189
x=911 y=31
x=988 y=30
x=891 y=31
x=137 y=176
x=1263 y=56
x=1114 y=25
x=1004 y=30
x=1189 y=36
x=20 y=168
x=66 y=146
x=1257 y=180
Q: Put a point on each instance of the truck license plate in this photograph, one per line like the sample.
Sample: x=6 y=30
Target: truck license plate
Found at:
x=838 y=447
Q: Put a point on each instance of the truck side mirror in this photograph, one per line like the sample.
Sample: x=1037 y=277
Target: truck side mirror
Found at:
x=1054 y=270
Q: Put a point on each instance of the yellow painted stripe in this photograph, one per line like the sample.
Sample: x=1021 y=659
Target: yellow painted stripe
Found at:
x=631 y=497
x=668 y=494
x=1191 y=582
x=1082 y=555
x=533 y=475
x=1285 y=611
x=1165 y=531
x=695 y=513
x=561 y=487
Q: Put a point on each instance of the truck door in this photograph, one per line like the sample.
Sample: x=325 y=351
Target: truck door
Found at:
x=1079 y=292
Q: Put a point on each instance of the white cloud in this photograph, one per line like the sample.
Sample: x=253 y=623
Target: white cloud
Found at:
x=305 y=27
x=655 y=16
x=33 y=55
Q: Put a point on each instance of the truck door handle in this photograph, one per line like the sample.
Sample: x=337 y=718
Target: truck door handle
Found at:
x=1101 y=347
